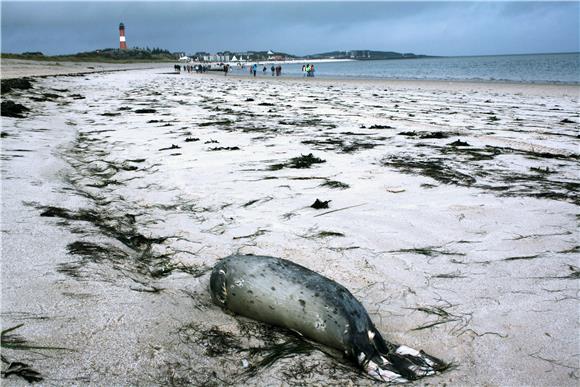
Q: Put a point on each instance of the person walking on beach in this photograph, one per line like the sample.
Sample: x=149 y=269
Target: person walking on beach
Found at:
x=264 y=70
x=255 y=69
x=303 y=70
x=278 y=70
x=273 y=69
x=226 y=69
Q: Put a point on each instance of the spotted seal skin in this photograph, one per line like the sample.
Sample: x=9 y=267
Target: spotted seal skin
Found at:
x=282 y=293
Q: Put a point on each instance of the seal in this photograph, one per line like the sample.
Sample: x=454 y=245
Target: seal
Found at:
x=283 y=293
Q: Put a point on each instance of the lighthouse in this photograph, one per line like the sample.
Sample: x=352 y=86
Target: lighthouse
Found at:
x=122 y=43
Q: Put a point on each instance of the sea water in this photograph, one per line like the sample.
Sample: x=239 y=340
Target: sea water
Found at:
x=536 y=68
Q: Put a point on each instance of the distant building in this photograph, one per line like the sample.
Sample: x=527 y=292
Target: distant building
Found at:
x=359 y=54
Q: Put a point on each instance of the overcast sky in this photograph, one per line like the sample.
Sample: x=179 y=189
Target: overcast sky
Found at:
x=432 y=28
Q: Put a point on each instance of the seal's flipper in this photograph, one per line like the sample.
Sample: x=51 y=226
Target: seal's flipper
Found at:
x=399 y=363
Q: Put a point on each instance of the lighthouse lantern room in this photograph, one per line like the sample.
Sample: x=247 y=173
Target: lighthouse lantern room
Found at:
x=122 y=42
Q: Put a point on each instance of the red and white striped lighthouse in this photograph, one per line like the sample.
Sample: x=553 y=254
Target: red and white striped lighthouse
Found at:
x=122 y=42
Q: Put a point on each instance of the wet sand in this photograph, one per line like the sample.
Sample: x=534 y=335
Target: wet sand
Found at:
x=456 y=224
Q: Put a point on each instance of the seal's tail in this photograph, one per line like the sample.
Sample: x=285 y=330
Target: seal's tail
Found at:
x=400 y=364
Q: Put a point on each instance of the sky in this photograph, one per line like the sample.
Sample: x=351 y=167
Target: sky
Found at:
x=299 y=28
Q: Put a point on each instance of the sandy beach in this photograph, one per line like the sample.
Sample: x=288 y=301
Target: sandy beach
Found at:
x=452 y=216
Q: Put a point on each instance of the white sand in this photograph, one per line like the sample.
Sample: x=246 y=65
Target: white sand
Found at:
x=497 y=265
x=17 y=68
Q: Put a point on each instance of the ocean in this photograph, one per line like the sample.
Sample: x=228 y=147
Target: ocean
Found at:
x=536 y=68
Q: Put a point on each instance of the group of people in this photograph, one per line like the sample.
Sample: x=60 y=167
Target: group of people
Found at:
x=191 y=68
x=276 y=70
x=308 y=70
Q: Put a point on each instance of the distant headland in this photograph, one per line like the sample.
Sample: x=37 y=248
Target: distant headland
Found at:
x=161 y=55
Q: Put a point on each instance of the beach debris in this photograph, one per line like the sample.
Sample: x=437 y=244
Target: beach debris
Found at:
x=78 y=96
x=266 y=104
x=140 y=111
x=109 y=114
x=224 y=148
x=303 y=161
x=458 y=143
x=394 y=189
x=173 y=146
x=320 y=204
x=13 y=109
x=191 y=139
x=249 y=99
x=212 y=142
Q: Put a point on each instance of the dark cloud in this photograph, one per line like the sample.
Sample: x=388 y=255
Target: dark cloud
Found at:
x=435 y=28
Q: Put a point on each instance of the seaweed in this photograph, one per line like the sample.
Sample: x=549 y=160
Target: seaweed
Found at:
x=443 y=317
x=335 y=184
x=13 y=109
x=211 y=123
x=7 y=85
x=11 y=341
x=247 y=204
x=122 y=228
x=301 y=162
x=224 y=148
x=320 y=204
x=458 y=143
x=381 y=127
x=436 y=169
x=173 y=146
x=426 y=135
x=22 y=370
x=431 y=251
x=526 y=258
x=327 y=234
x=258 y=233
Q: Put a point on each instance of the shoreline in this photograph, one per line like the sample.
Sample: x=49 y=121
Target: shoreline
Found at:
x=483 y=86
